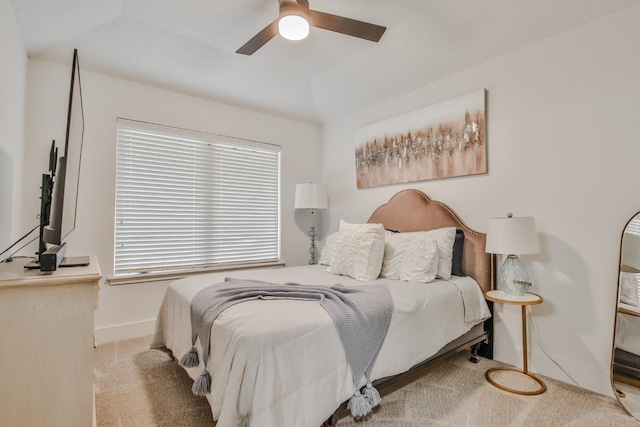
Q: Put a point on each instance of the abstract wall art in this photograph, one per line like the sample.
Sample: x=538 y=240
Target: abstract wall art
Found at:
x=443 y=140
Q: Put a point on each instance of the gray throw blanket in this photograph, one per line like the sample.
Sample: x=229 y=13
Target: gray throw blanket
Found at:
x=361 y=316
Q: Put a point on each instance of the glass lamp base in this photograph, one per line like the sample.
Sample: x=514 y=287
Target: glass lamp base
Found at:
x=312 y=249
x=513 y=278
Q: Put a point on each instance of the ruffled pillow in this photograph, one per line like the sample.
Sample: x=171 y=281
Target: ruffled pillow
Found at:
x=328 y=249
x=411 y=257
x=629 y=289
x=358 y=251
x=445 y=237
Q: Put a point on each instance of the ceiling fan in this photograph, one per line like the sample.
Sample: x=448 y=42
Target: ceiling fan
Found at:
x=295 y=19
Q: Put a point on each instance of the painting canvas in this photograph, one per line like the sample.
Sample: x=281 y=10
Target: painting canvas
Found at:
x=444 y=140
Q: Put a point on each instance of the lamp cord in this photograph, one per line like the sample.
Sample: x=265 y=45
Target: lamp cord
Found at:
x=20 y=239
x=537 y=338
x=10 y=257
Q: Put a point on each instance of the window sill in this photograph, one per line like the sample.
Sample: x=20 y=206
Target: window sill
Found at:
x=158 y=277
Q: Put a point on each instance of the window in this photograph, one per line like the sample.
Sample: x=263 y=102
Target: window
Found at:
x=187 y=200
x=629 y=249
x=634 y=226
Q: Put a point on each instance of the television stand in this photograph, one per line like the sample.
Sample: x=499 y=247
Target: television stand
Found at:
x=69 y=261
x=48 y=321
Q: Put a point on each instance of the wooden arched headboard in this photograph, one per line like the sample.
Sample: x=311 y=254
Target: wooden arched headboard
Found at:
x=412 y=210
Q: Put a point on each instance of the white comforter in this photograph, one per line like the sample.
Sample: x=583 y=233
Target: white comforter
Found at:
x=279 y=363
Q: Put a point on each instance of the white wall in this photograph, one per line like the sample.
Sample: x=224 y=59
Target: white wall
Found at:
x=130 y=310
x=563 y=146
x=13 y=75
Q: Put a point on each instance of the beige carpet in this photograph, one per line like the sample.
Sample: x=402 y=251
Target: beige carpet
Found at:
x=136 y=386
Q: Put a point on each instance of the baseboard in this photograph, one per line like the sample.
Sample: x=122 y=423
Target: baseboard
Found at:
x=125 y=331
x=590 y=378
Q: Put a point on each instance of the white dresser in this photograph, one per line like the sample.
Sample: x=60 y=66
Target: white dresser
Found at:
x=46 y=345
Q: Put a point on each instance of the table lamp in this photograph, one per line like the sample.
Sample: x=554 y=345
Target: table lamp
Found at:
x=311 y=196
x=512 y=237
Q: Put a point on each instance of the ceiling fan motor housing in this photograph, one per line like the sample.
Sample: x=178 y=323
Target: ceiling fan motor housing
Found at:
x=292 y=7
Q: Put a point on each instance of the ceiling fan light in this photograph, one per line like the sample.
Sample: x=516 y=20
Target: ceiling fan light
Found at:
x=293 y=27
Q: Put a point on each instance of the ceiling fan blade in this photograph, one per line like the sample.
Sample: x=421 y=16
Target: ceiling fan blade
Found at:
x=259 y=39
x=304 y=3
x=348 y=26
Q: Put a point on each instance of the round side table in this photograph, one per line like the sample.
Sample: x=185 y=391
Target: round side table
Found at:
x=523 y=301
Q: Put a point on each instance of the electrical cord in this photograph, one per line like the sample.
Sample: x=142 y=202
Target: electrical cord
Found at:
x=21 y=239
x=537 y=338
x=10 y=257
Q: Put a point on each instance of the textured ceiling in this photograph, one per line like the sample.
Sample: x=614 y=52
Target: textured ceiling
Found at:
x=189 y=46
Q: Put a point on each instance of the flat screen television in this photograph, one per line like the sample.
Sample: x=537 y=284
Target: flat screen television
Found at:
x=59 y=201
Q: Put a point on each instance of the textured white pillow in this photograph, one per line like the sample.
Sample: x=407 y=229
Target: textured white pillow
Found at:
x=344 y=225
x=358 y=252
x=445 y=237
x=411 y=257
x=629 y=289
x=328 y=249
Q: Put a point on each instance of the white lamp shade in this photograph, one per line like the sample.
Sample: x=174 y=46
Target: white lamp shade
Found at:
x=512 y=236
x=311 y=196
x=293 y=27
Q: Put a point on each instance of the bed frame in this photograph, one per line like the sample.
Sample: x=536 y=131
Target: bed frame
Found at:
x=412 y=210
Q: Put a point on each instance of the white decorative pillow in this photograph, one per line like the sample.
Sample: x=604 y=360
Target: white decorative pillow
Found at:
x=629 y=289
x=344 y=225
x=445 y=238
x=411 y=257
x=328 y=249
x=358 y=252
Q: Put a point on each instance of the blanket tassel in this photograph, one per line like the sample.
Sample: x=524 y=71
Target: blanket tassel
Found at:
x=202 y=384
x=190 y=359
x=372 y=395
x=359 y=405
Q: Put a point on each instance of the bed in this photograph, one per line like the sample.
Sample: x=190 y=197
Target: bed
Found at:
x=281 y=363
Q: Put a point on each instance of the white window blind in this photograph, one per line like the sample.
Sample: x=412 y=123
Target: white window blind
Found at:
x=634 y=226
x=188 y=200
